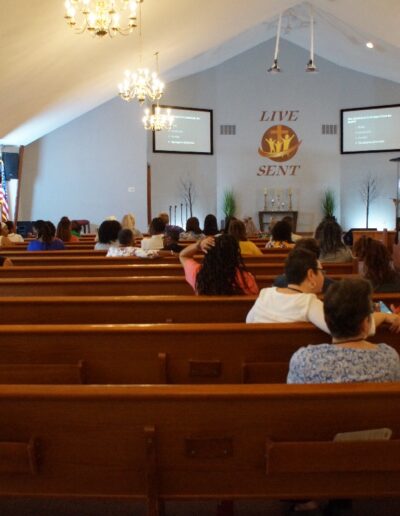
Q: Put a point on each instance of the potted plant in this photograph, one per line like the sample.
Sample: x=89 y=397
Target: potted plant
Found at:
x=229 y=203
x=328 y=204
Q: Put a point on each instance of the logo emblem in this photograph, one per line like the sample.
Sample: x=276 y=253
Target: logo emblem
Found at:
x=279 y=143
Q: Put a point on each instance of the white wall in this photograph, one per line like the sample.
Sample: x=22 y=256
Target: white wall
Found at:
x=83 y=170
x=168 y=170
x=239 y=90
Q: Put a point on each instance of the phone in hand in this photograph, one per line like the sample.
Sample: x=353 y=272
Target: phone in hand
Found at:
x=384 y=308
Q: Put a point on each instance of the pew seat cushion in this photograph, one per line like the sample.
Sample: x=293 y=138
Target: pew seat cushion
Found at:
x=330 y=363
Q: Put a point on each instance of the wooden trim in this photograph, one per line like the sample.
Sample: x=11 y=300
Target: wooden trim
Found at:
x=20 y=163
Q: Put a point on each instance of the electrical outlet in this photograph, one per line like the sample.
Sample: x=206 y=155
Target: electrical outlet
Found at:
x=131 y=189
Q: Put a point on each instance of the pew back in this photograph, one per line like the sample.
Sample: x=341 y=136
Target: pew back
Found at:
x=146 y=269
x=133 y=309
x=174 y=353
x=239 y=442
x=109 y=286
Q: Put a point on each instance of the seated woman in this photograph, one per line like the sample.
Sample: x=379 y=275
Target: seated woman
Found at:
x=238 y=230
x=329 y=237
x=312 y=245
x=222 y=272
x=64 y=231
x=350 y=357
x=76 y=228
x=125 y=247
x=171 y=241
x=210 y=225
x=12 y=235
x=108 y=235
x=281 y=236
x=298 y=301
x=377 y=265
x=45 y=240
x=193 y=231
x=5 y=241
x=129 y=222
x=156 y=240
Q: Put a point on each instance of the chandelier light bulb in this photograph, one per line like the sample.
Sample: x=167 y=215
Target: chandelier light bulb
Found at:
x=157 y=121
x=102 y=17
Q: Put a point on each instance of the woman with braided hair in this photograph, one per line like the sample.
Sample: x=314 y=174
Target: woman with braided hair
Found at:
x=222 y=272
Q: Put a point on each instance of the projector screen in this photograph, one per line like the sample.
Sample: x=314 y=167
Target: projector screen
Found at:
x=374 y=129
x=191 y=133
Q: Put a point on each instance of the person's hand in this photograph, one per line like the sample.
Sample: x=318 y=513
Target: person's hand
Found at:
x=394 y=309
x=206 y=244
x=393 y=320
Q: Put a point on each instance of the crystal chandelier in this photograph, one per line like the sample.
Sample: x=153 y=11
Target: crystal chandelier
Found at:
x=157 y=121
x=141 y=85
x=102 y=17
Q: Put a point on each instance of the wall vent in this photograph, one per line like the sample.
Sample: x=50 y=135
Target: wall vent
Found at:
x=228 y=130
x=329 y=129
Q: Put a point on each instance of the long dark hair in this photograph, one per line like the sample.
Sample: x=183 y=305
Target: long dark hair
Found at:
x=64 y=229
x=329 y=236
x=44 y=231
x=221 y=265
x=378 y=266
x=210 y=225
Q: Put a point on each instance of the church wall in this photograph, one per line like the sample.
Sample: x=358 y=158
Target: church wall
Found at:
x=84 y=169
x=242 y=90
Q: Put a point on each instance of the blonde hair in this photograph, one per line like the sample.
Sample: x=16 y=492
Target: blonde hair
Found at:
x=128 y=221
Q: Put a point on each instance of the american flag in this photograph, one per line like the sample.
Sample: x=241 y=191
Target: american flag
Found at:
x=5 y=213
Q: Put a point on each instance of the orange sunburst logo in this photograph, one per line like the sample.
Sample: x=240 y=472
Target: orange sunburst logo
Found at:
x=279 y=143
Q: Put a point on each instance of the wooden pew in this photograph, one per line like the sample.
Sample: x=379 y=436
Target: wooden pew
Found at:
x=133 y=309
x=99 y=258
x=172 y=353
x=109 y=286
x=240 y=442
x=147 y=269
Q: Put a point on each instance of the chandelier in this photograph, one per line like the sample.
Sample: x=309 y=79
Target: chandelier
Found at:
x=157 y=121
x=141 y=85
x=102 y=17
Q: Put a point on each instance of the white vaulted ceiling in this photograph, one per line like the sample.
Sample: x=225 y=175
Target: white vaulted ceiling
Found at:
x=50 y=76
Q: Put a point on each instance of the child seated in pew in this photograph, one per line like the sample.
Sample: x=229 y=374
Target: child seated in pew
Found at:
x=222 y=271
x=297 y=301
x=108 y=235
x=125 y=247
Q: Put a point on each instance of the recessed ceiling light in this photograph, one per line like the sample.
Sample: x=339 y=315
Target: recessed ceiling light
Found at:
x=370 y=44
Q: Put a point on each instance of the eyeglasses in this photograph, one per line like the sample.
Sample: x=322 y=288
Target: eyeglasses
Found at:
x=323 y=271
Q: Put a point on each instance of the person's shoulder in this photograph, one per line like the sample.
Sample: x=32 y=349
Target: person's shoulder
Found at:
x=34 y=244
x=388 y=350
